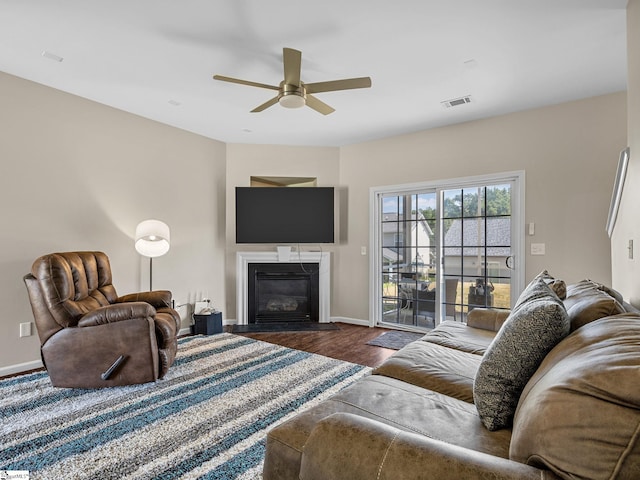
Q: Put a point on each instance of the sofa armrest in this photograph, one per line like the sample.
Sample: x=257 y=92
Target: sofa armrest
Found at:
x=157 y=298
x=487 y=318
x=350 y=447
x=117 y=312
x=77 y=357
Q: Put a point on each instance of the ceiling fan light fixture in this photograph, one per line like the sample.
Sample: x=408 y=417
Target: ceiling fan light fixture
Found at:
x=292 y=96
x=292 y=100
x=292 y=92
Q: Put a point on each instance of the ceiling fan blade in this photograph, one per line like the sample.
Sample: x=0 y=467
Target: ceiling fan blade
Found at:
x=318 y=105
x=265 y=105
x=292 y=60
x=244 y=82
x=331 y=86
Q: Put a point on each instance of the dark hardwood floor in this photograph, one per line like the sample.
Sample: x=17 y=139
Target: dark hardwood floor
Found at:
x=348 y=343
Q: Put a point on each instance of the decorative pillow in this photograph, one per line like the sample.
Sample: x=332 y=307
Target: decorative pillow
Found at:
x=538 y=288
x=536 y=324
x=558 y=286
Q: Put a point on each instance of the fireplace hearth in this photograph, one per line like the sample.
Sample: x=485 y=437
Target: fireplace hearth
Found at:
x=283 y=292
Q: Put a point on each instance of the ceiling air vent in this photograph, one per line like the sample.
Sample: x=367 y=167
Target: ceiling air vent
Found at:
x=457 y=101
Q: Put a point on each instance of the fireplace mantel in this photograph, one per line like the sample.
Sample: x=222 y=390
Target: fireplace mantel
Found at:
x=243 y=259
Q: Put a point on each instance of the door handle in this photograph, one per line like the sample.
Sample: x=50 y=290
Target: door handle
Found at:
x=509 y=262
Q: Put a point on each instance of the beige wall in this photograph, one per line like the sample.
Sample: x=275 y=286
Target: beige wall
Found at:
x=77 y=175
x=245 y=161
x=626 y=271
x=568 y=152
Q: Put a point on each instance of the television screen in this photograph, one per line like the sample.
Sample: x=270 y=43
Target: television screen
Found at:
x=284 y=215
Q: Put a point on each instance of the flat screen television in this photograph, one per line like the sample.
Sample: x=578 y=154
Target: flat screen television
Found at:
x=284 y=215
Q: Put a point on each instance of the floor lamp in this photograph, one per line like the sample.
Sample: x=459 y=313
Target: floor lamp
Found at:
x=152 y=240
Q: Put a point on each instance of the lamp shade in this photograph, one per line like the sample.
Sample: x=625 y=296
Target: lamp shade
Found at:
x=152 y=238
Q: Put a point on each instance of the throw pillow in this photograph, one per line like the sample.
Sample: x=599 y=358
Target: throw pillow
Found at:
x=538 y=288
x=558 y=286
x=537 y=323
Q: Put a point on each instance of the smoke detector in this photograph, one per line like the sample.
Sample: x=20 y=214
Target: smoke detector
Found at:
x=454 y=102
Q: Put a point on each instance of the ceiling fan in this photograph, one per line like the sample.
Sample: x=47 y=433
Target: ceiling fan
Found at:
x=293 y=93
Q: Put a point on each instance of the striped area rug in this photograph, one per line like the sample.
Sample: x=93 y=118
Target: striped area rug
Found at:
x=207 y=419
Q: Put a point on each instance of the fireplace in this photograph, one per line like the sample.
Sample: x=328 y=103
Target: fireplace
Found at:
x=319 y=261
x=283 y=292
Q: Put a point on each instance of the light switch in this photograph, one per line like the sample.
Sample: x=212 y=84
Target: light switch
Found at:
x=532 y=228
x=363 y=250
x=537 y=248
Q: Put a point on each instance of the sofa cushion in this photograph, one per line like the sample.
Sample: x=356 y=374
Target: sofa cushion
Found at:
x=579 y=415
x=612 y=292
x=391 y=402
x=536 y=324
x=438 y=368
x=461 y=337
x=490 y=319
x=588 y=301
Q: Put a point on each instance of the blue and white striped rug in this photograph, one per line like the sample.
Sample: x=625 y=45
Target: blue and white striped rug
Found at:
x=206 y=419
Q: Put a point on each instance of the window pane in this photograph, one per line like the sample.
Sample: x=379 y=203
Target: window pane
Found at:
x=499 y=234
x=498 y=200
x=390 y=205
x=453 y=234
x=452 y=203
x=452 y=261
x=473 y=202
x=501 y=292
x=472 y=234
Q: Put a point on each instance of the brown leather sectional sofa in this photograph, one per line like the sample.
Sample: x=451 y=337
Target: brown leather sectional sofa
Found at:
x=577 y=414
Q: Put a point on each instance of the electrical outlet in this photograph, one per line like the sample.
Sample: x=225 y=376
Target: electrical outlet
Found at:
x=25 y=329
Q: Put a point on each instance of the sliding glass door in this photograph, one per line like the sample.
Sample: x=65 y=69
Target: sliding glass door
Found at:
x=408 y=258
x=443 y=250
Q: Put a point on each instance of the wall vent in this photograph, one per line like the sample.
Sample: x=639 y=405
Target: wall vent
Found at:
x=457 y=101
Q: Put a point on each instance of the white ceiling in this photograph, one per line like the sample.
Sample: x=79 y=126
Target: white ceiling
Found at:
x=156 y=58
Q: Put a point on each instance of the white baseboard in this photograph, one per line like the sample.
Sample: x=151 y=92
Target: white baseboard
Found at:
x=20 y=367
x=353 y=321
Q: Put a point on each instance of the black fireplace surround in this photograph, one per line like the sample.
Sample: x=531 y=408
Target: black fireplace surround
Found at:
x=283 y=292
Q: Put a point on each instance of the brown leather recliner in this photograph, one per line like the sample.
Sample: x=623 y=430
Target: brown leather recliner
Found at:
x=85 y=328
